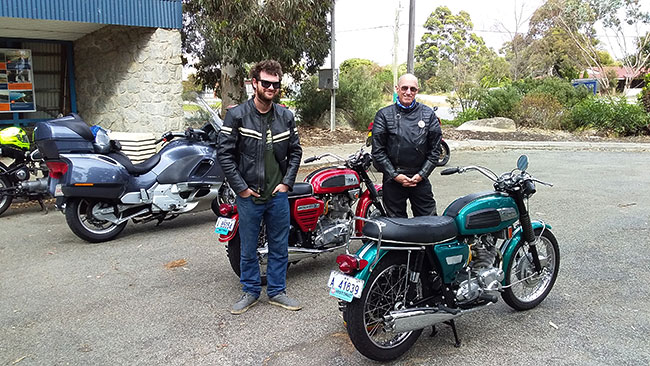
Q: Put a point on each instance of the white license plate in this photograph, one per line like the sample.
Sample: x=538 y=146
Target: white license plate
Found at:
x=344 y=287
x=224 y=225
x=58 y=191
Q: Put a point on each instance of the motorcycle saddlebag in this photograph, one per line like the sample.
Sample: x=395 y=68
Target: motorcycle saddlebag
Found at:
x=69 y=134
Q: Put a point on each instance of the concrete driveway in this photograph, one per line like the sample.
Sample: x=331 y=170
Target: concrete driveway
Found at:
x=65 y=302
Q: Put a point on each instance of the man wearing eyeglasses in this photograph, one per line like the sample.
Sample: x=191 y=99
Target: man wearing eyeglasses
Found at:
x=405 y=148
x=259 y=151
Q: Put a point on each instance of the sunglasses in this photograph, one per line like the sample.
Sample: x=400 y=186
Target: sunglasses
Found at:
x=405 y=88
x=267 y=84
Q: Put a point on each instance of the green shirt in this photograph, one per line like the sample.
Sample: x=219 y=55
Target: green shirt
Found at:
x=272 y=173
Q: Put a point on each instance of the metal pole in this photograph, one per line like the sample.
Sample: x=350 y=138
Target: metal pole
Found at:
x=411 y=46
x=333 y=101
x=395 y=49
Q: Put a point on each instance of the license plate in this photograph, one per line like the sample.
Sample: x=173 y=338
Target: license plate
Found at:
x=344 y=287
x=58 y=191
x=224 y=225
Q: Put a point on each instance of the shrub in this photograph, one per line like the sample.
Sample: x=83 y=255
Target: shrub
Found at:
x=644 y=96
x=359 y=93
x=500 y=102
x=468 y=114
x=562 y=89
x=539 y=110
x=606 y=114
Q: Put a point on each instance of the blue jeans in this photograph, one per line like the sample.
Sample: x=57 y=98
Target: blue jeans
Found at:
x=275 y=214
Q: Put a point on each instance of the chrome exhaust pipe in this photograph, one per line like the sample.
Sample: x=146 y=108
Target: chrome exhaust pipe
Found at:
x=297 y=253
x=408 y=320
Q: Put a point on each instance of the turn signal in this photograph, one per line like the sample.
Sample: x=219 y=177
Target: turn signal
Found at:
x=57 y=169
x=350 y=264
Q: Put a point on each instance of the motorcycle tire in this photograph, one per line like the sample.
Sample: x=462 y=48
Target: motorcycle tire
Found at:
x=5 y=199
x=381 y=294
x=443 y=159
x=530 y=293
x=78 y=215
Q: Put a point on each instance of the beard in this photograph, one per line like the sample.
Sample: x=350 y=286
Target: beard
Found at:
x=261 y=94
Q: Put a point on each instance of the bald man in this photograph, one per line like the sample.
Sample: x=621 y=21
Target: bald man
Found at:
x=405 y=148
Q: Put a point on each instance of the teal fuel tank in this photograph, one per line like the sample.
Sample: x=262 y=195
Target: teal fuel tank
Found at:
x=483 y=212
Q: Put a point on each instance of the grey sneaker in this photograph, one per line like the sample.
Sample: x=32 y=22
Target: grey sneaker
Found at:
x=245 y=301
x=285 y=301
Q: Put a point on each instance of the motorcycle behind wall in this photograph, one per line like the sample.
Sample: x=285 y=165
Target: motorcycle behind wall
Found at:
x=321 y=207
x=19 y=179
x=419 y=272
x=100 y=189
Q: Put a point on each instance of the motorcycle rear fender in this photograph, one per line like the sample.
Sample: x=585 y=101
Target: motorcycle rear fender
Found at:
x=230 y=235
x=508 y=247
x=368 y=251
x=362 y=207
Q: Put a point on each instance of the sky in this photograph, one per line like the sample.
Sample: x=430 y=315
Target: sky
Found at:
x=364 y=28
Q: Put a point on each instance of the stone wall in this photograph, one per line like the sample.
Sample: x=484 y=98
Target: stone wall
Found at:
x=129 y=79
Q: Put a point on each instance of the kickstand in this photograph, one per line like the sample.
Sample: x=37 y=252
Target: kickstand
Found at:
x=452 y=324
x=434 y=332
x=43 y=207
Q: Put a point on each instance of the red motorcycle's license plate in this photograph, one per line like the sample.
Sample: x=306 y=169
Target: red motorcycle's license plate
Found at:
x=224 y=225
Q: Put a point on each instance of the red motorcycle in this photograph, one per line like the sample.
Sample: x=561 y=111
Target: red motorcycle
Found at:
x=322 y=214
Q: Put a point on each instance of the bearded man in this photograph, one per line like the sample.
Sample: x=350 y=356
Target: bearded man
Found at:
x=259 y=152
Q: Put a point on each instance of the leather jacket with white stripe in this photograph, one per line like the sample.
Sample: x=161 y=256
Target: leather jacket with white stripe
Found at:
x=241 y=144
x=406 y=141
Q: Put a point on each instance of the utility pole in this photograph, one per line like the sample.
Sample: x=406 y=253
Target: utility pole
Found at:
x=395 y=48
x=333 y=101
x=411 y=46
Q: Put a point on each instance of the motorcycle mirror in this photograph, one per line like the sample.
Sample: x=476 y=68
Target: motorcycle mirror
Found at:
x=522 y=163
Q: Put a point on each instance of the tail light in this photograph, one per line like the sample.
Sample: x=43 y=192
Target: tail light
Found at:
x=349 y=263
x=225 y=209
x=57 y=169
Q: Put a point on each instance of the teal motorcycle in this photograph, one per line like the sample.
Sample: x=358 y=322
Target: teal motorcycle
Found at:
x=411 y=273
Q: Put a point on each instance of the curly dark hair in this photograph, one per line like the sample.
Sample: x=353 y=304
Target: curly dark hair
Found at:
x=268 y=66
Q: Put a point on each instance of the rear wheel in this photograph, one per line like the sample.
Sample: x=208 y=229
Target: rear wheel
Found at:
x=234 y=253
x=5 y=199
x=530 y=289
x=384 y=292
x=82 y=222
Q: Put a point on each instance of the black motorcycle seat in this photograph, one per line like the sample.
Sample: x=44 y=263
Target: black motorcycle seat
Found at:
x=300 y=189
x=421 y=229
x=135 y=169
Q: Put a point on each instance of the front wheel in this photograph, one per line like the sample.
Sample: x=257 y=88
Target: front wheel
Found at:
x=443 y=159
x=82 y=222
x=383 y=292
x=529 y=289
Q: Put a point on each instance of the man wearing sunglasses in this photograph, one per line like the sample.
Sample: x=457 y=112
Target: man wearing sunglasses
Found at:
x=405 y=148
x=260 y=153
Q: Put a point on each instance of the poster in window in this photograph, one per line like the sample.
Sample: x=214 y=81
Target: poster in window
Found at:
x=16 y=81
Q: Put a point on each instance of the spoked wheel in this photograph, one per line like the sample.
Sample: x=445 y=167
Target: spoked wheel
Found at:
x=384 y=292
x=443 y=159
x=82 y=222
x=5 y=199
x=530 y=289
x=234 y=253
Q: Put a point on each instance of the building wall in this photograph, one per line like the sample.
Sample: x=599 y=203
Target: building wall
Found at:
x=129 y=79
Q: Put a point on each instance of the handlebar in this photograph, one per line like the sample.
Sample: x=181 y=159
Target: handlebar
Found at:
x=190 y=133
x=450 y=171
x=318 y=157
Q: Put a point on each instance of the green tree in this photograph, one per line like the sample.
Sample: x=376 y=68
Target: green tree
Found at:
x=224 y=36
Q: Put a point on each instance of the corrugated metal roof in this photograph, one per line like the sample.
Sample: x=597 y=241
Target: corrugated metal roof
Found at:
x=143 y=13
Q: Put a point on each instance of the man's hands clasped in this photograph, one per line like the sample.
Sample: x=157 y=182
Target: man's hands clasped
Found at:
x=408 y=182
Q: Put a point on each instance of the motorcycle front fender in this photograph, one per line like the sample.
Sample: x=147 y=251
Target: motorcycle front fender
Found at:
x=508 y=248
x=228 y=237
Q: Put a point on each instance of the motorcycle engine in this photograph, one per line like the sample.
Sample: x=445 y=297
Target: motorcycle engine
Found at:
x=483 y=275
x=334 y=227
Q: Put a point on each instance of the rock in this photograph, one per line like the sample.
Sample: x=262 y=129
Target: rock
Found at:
x=496 y=124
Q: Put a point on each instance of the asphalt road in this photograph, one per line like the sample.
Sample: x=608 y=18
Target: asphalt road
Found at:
x=64 y=302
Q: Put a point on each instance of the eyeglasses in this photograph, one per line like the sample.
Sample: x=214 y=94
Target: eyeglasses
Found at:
x=405 y=88
x=267 y=84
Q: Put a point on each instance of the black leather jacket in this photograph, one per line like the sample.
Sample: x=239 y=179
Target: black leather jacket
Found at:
x=406 y=141
x=241 y=144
